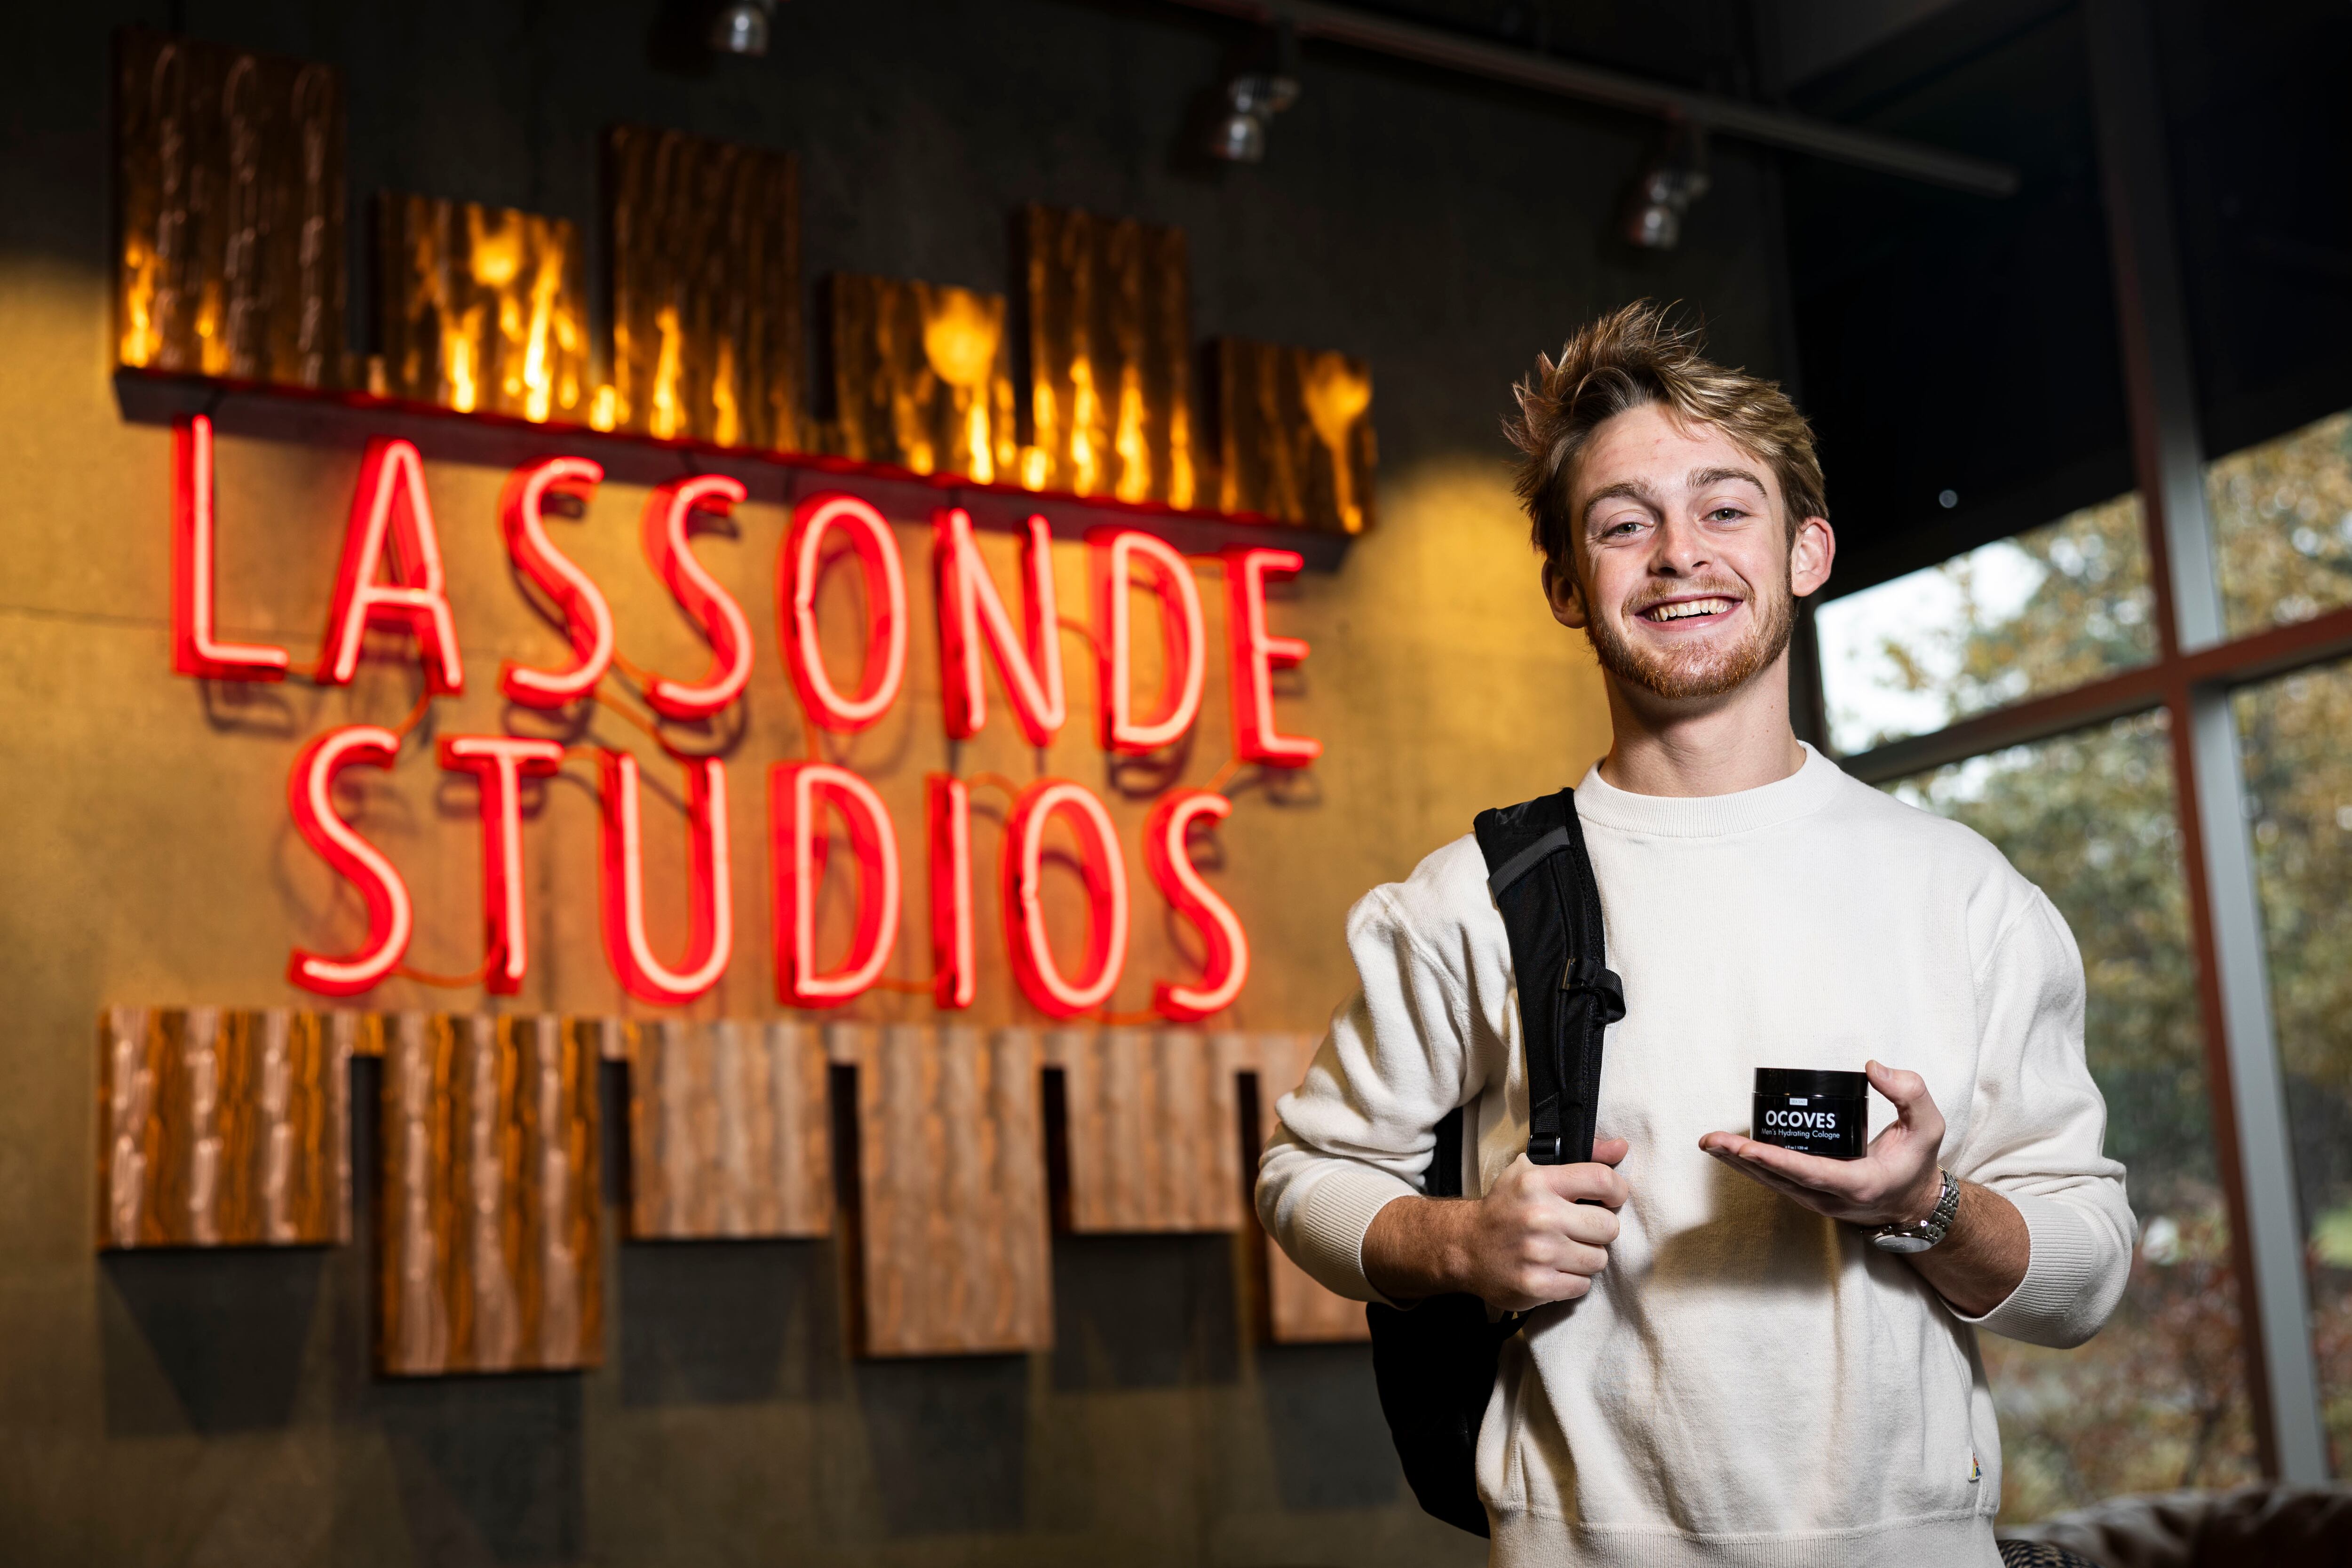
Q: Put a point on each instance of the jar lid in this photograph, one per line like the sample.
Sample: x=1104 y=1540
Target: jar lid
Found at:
x=1804 y=1082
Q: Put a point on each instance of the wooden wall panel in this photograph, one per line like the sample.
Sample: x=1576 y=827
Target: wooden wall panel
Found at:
x=1299 y=1311
x=951 y=1244
x=481 y=309
x=706 y=290
x=1109 y=340
x=921 y=377
x=729 y=1130
x=223 y=1128
x=229 y=209
x=1294 y=434
x=489 y=1246
x=1152 y=1128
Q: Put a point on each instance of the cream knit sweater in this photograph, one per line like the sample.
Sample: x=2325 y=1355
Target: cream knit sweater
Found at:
x=1747 y=1384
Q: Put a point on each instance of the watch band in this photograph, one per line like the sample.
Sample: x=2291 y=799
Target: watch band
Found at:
x=1928 y=1232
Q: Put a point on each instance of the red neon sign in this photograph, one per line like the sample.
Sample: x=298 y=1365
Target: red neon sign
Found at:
x=797 y=793
x=1255 y=653
x=1041 y=979
x=1224 y=969
x=668 y=511
x=392 y=524
x=709 y=897
x=955 y=966
x=391 y=918
x=1117 y=551
x=885 y=610
x=499 y=763
x=587 y=619
x=969 y=608
x=195 y=649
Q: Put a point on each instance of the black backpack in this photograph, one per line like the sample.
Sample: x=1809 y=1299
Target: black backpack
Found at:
x=1435 y=1363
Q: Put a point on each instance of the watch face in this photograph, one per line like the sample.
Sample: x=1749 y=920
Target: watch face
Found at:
x=1901 y=1243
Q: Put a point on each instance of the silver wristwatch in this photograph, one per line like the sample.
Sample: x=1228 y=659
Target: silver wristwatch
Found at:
x=1919 y=1237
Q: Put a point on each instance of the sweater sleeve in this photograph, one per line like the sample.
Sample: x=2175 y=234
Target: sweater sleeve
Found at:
x=2035 y=1136
x=1357 y=1134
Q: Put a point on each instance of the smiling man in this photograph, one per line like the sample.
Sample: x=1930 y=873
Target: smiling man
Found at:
x=1737 y=1354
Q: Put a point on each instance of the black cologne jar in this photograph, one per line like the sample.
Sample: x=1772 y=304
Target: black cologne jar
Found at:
x=1824 y=1113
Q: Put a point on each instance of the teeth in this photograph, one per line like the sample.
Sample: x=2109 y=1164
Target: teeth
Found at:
x=1688 y=608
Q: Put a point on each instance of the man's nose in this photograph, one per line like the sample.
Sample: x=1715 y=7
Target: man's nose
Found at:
x=1680 y=549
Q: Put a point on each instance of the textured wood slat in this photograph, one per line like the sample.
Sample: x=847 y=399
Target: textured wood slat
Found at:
x=229 y=207
x=1110 y=387
x=706 y=289
x=223 y=1128
x=1294 y=434
x=481 y=309
x=490 y=1257
x=1299 y=1311
x=1153 y=1132
x=952 y=1242
x=729 y=1131
x=921 y=377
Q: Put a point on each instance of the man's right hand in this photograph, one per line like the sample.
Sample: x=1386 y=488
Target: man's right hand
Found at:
x=1538 y=1236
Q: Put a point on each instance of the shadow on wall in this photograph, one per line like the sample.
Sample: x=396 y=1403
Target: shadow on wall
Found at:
x=1323 y=1420
x=949 y=1438
x=1144 y=1311
x=206 y=1342
x=729 y=1322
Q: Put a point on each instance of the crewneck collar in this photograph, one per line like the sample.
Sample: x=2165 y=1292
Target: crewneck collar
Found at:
x=1807 y=790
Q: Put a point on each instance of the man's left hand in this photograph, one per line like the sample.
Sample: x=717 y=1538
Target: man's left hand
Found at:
x=1897 y=1182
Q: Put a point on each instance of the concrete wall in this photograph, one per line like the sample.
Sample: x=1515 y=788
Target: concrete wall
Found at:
x=219 y=1408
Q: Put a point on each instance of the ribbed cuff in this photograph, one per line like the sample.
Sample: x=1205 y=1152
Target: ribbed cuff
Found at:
x=2064 y=1278
x=1333 y=1214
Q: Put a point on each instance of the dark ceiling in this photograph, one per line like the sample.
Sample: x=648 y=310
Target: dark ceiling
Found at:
x=1947 y=342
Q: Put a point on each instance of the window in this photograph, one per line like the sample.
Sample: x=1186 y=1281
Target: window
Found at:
x=2158 y=1400
x=2297 y=746
x=2282 y=526
x=2048 y=610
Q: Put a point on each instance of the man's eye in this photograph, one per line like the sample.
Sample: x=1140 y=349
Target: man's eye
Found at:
x=1726 y=515
x=1613 y=530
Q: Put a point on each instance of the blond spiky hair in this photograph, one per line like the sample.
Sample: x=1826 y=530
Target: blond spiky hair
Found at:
x=1634 y=356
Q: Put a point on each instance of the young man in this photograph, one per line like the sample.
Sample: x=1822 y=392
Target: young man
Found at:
x=1726 y=1364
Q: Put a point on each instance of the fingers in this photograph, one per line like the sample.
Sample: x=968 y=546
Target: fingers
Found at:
x=1591 y=1182
x=1907 y=1090
x=1609 y=1150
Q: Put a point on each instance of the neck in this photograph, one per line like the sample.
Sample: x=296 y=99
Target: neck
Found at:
x=1714 y=745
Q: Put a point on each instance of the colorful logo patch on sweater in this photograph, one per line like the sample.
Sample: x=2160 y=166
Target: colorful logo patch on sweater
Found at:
x=1976 y=1470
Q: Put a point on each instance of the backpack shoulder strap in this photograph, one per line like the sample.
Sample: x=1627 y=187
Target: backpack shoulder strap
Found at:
x=1541 y=880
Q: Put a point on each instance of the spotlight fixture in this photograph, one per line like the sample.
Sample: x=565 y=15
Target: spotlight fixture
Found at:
x=1239 y=134
x=741 y=27
x=1672 y=177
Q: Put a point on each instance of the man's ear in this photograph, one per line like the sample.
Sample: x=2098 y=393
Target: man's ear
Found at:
x=1565 y=594
x=1809 y=555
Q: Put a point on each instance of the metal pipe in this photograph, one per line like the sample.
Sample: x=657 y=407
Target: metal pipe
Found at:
x=1617 y=89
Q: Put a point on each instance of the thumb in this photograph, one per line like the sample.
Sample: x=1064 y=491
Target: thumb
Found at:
x=1609 y=1150
x=1906 y=1090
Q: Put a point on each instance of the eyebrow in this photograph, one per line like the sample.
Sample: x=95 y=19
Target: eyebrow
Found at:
x=1701 y=477
x=1624 y=489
